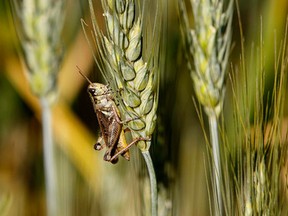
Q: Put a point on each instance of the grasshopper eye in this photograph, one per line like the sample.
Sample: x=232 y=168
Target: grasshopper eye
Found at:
x=91 y=90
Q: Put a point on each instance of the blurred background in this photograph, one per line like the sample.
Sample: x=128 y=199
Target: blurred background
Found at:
x=87 y=185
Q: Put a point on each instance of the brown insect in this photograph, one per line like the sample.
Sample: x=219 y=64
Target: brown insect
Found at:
x=112 y=132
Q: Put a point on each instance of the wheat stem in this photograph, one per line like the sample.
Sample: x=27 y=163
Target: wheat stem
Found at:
x=153 y=183
x=49 y=159
x=213 y=128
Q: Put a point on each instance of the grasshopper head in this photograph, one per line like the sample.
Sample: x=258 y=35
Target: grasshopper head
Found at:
x=100 y=95
x=97 y=89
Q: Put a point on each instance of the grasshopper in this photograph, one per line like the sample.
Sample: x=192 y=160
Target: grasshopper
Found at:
x=112 y=132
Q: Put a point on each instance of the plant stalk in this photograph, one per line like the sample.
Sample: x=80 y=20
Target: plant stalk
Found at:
x=49 y=159
x=213 y=126
x=153 y=183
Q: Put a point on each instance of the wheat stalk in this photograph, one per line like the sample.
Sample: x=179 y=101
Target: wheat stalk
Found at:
x=208 y=46
x=130 y=64
x=39 y=29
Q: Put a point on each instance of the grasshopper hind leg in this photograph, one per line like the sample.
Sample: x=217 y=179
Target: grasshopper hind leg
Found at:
x=108 y=156
x=99 y=144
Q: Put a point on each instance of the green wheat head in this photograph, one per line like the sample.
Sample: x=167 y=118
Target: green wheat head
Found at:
x=40 y=28
x=130 y=66
x=208 y=47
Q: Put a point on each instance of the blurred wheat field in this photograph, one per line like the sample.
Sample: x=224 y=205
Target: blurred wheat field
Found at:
x=87 y=185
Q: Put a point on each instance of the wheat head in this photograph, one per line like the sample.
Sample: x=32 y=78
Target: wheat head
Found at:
x=209 y=46
x=133 y=77
x=40 y=30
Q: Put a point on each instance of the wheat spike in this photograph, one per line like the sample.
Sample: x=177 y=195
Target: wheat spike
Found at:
x=209 y=46
x=40 y=30
x=132 y=76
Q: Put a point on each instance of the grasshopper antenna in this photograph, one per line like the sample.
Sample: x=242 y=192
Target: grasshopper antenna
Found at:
x=83 y=75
